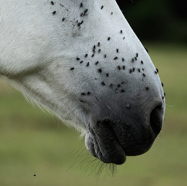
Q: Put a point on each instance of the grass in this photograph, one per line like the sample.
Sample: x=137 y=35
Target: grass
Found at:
x=35 y=143
x=171 y=60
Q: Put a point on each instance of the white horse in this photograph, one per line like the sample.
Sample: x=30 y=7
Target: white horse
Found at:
x=81 y=60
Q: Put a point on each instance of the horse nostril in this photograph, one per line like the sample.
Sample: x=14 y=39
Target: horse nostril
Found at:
x=156 y=118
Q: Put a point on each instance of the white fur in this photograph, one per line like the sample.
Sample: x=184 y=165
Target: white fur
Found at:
x=37 y=50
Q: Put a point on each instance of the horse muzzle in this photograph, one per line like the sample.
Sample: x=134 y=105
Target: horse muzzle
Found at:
x=131 y=131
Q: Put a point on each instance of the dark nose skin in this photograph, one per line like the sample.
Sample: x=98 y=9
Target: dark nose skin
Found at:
x=136 y=128
x=125 y=126
x=126 y=123
x=156 y=118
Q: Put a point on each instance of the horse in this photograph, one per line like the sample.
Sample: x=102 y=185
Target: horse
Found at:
x=81 y=60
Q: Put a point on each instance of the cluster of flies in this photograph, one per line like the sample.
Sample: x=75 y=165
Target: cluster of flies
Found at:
x=97 y=50
x=84 y=12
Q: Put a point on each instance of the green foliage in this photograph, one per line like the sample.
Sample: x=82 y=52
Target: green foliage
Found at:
x=157 y=20
x=37 y=150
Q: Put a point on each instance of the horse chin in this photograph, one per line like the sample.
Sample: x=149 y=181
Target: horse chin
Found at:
x=105 y=147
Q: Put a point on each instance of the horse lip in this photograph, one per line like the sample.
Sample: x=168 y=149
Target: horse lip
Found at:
x=105 y=147
x=112 y=143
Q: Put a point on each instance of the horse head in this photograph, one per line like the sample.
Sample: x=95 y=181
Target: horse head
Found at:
x=82 y=60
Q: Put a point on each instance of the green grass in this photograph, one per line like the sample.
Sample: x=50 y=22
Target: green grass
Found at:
x=33 y=142
x=172 y=62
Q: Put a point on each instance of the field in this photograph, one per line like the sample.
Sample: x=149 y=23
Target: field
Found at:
x=36 y=149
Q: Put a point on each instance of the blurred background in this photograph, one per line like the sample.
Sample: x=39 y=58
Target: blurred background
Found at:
x=161 y=20
x=36 y=149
